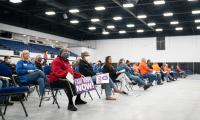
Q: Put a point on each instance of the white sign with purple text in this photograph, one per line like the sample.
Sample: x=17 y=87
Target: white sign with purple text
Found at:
x=84 y=84
x=102 y=78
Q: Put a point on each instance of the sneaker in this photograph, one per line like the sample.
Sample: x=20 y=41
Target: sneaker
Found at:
x=110 y=98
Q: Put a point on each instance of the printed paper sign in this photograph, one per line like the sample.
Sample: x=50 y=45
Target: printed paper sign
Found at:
x=123 y=77
x=102 y=78
x=70 y=77
x=84 y=85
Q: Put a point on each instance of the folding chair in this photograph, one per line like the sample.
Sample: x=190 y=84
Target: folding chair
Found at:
x=54 y=91
x=10 y=91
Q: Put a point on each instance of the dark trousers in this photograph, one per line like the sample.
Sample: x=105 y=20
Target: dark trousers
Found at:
x=68 y=87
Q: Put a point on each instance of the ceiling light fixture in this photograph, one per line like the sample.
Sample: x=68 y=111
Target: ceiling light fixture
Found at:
x=178 y=28
x=110 y=26
x=50 y=12
x=95 y=20
x=117 y=18
x=128 y=5
x=92 y=28
x=159 y=2
x=130 y=25
x=140 y=30
x=99 y=8
x=174 y=22
x=141 y=16
x=74 y=21
x=74 y=11
x=15 y=1
x=167 y=14
x=122 y=32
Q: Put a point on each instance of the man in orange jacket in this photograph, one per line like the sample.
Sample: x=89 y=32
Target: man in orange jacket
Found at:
x=146 y=72
x=156 y=69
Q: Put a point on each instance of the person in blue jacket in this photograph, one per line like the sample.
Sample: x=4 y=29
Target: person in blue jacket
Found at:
x=29 y=73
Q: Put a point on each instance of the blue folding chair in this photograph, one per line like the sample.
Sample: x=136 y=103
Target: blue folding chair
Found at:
x=47 y=70
x=10 y=91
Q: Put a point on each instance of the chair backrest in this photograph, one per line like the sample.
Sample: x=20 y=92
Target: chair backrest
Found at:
x=5 y=70
x=47 y=69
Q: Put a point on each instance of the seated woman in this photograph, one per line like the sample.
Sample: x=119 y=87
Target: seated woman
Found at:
x=123 y=66
x=158 y=76
x=60 y=68
x=29 y=73
x=166 y=72
x=86 y=69
x=181 y=72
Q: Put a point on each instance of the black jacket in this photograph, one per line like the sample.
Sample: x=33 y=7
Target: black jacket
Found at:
x=86 y=69
x=108 y=68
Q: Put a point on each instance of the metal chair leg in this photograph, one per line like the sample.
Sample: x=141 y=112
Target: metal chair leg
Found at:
x=54 y=98
x=1 y=114
x=98 y=93
x=23 y=106
x=6 y=105
x=90 y=95
x=85 y=95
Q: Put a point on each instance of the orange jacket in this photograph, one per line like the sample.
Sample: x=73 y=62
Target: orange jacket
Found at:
x=136 y=68
x=156 y=67
x=167 y=69
x=144 y=69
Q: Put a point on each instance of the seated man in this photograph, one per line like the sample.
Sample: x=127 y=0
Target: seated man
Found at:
x=86 y=69
x=156 y=69
x=29 y=73
x=38 y=62
x=146 y=72
x=60 y=68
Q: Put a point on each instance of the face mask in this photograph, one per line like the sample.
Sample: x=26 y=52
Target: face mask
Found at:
x=87 y=58
x=65 y=56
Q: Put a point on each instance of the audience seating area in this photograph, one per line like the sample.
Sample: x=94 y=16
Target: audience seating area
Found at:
x=36 y=48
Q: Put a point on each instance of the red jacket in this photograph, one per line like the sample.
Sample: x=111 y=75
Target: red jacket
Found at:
x=59 y=69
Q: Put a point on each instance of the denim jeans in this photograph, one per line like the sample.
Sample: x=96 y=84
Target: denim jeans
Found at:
x=138 y=80
x=1 y=84
x=158 y=77
x=39 y=78
x=107 y=86
x=151 y=77
x=4 y=83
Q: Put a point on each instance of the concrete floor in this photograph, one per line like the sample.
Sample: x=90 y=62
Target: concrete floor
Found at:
x=178 y=100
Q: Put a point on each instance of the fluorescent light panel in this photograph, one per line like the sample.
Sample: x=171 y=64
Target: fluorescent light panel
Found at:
x=140 y=30
x=151 y=24
x=15 y=1
x=128 y=5
x=110 y=26
x=159 y=2
x=159 y=30
x=141 y=16
x=92 y=28
x=117 y=18
x=74 y=21
x=122 y=32
x=168 y=14
x=174 y=22
x=105 y=33
x=130 y=25
x=95 y=20
x=99 y=8
x=196 y=12
x=198 y=27
x=74 y=11
x=178 y=28
x=50 y=13
x=197 y=21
